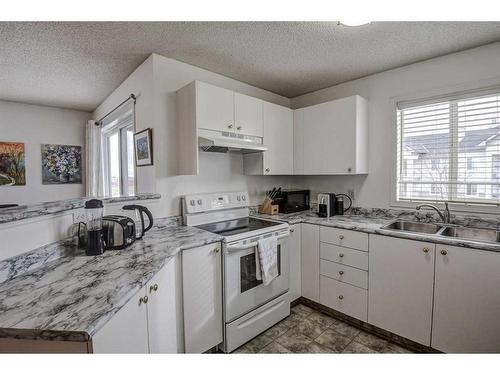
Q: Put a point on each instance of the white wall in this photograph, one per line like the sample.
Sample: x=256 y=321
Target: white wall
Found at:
x=36 y=125
x=469 y=69
x=156 y=82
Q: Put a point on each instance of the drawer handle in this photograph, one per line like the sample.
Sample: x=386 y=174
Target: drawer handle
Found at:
x=444 y=252
x=230 y=126
x=153 y=288
x=143 y=300
x=341 y=273
x=239 y=127
x=341 y=237
x=425 y=250
x=341 y=255
x=341 y=297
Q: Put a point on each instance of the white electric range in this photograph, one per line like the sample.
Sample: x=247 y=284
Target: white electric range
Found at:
x=249 y=306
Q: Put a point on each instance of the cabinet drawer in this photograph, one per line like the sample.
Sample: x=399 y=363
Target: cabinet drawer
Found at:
x=348 y=299
x=344 y=255
x=344 y=273
x=343 y=237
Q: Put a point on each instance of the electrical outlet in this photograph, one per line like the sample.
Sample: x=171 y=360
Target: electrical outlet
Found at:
x=350 y=193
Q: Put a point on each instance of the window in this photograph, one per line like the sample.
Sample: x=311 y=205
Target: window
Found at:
x=448 y=149
x=118 y=153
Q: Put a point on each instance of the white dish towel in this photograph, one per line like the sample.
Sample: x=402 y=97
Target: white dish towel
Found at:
x=266 y=260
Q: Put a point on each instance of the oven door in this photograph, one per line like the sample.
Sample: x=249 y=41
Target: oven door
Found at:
x=243 y=292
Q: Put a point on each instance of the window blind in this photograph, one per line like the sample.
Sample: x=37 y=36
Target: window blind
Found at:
x=449 y=150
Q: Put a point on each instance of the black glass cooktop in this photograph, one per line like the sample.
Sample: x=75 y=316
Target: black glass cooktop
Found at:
x=237 y=226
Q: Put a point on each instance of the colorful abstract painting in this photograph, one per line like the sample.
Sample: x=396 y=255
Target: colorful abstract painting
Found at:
x=12 y=167
x=61 y=164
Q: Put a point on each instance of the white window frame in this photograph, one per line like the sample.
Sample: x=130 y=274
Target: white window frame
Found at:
x=108 y=131
x=492 y=84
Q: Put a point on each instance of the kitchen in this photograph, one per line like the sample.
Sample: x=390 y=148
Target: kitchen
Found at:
x=357 y=214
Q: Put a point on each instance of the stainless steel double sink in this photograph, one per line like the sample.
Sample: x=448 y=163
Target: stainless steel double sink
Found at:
x=445 y=230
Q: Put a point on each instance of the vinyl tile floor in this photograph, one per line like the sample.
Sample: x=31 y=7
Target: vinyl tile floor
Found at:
x=309 y=331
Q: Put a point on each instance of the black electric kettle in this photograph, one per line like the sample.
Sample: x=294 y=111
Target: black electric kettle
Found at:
x=138 y=218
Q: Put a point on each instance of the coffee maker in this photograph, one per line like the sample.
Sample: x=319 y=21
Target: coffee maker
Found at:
x=331 y=204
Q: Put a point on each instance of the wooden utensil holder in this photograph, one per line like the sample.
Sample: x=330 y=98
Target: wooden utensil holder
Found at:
x=268 y=207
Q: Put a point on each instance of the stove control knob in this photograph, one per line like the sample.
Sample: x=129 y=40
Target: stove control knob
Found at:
x=244 y=197
x=200 y=202
x=192 y=202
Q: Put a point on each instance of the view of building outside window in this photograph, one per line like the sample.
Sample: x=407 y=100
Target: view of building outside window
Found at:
x=450 y=151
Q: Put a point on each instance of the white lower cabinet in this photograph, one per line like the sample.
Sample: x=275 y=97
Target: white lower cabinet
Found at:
x=348 y=299
x=127 y=331
x=310 y=262
x=164 y=310
x=466 y=301
x=294 y=247
x=202 y=297
x=401 y=286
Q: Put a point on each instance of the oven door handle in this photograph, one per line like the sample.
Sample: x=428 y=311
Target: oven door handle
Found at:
x=249 y=245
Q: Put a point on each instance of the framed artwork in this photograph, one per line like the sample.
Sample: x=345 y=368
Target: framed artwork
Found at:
x=61 y=164
x=144 y=147
x=12 y=164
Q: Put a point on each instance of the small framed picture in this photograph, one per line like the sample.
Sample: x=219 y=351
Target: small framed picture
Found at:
x=144 y=147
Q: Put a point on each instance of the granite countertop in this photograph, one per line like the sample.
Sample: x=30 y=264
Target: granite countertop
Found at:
x=72 y=296
x=371 y=221
x=21 y=212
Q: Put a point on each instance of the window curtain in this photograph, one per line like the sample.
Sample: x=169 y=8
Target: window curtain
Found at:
x=93 y=160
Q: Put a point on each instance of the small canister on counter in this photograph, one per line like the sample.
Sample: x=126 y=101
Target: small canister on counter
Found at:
x=93 y=227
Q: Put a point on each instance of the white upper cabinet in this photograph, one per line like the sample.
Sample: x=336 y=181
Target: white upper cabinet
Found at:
x=401 y=287
x=214 y=107
x=331 y=138
x=278 y=137
x=248 y=118
x=466 y=301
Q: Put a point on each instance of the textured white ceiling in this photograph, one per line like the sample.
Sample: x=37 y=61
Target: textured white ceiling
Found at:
x=76 y=65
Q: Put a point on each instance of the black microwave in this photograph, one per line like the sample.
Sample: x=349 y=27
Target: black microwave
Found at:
x=293 y=200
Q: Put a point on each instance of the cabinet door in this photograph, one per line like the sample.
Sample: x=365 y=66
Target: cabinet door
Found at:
x=214 y=107
x=401 y=274
x=248 y=117
x=310 y=261
x=298 y=141
x=278 y=137
x=202 y=292
x=294 y=247
x=163 y=320
x=466 y=301
x=127 y=331
x=330 y=137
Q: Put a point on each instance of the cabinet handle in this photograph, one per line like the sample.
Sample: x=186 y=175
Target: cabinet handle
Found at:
x=341 y=237
x=425 y=250
x=230 y=126
x=341 y=273
x=292 y=230
x=153 y=288
x=143 y=300
x=349 y=169
x=341 y=297
x=341 y=255
x=239 y=127
x=444 y=252
x=216 y=250
x=268 y=170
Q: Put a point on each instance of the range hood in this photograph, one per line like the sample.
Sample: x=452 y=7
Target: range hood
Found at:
x=214 y=141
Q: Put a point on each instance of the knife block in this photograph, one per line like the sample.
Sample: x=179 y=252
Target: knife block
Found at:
x=267 y=207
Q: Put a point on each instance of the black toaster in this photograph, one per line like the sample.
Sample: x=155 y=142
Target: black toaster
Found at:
x=118 y=232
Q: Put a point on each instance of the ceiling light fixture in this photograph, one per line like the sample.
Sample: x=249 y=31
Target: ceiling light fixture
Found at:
x=353 y=23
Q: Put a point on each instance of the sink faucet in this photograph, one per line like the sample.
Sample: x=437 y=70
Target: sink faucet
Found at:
x=445 y=215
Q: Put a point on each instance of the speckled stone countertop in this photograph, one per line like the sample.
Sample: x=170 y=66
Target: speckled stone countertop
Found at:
x=372 y=220
x=58 y=293
x=8 y=215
